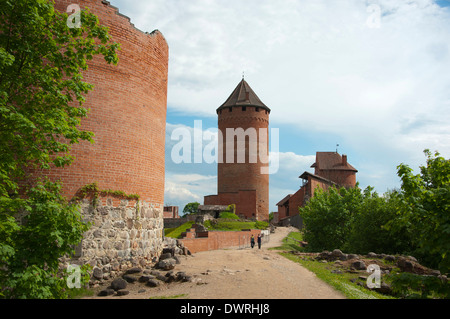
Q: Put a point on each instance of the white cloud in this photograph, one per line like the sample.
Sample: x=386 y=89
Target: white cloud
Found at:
x=319 y=66
x=181 y=189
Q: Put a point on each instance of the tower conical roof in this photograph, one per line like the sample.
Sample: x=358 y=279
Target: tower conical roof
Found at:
x=243 y=95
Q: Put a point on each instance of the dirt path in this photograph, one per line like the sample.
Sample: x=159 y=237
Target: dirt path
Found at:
x=242 y=274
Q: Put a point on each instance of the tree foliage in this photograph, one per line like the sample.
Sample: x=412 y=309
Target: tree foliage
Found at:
x=426 y=209
x=369 y=231
x=413 y=220
x=327 y=217
x=191 y=208
x=41 y=105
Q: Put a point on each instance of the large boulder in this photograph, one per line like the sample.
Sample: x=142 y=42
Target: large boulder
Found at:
x=106 y=292
x=97 y=273
x=118 y=283
x=133 y=270
x=405 y=264
x=153 y=283
x=337 y=254
x=324 y=255
x=359 y=265
x=167 y=264
x=131 y=278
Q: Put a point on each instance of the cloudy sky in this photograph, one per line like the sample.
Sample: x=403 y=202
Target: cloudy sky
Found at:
x=370 y=75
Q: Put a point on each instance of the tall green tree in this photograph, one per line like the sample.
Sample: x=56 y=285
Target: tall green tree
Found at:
x=42 y=59
x=427 y=208
x=191 y=208
x=354 y=221
x=328 y=215
x=368 y=227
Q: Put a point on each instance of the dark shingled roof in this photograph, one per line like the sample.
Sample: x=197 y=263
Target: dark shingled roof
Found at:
x=314 y=176
x=243 y=95
x=284 y=200
x=331 y=161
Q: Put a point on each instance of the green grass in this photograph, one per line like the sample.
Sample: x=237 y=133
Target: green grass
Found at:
x=176 y=232
x=340 y=282
x=80 y=293
x=228 y=215
x=291 y=242
x=222 y=224
x=323 y=271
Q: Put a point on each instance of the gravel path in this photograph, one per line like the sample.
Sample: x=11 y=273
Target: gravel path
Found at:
x=241 y=274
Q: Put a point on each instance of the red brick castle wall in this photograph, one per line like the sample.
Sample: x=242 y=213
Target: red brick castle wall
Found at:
x=127 y=113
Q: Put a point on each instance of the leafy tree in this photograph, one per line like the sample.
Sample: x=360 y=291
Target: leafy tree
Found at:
x=354 y=221
x=369 y=231
x=327 y=217
x=414 y=220
x=41 y=96
x=191 y=208
x=426 y=212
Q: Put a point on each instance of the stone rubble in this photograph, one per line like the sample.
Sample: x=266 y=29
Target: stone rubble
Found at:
x=353 y=263
x=162 y=272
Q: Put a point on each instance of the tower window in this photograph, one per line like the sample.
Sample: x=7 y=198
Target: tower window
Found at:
x=231 y=109
x=244 y=108
x=257 y=109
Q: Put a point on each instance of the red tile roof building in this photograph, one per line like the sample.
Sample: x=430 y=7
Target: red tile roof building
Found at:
x=330 y=169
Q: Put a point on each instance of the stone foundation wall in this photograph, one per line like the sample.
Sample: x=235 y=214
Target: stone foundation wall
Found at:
x=123 y=234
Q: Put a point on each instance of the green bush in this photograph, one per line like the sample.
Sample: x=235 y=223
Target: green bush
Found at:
x=413 y=220
x=407 y=285
x=426 y=209
x=261 y=225
x=327 y=217
x=228 y=215
x=354 y=221
x=368 y=227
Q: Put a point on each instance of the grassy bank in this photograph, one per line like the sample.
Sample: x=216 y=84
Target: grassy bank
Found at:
x=327 y=271
x=220 y=224
x=176 y=232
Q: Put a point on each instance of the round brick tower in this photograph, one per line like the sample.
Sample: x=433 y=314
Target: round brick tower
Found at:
x=127 y=113
x=241 y=179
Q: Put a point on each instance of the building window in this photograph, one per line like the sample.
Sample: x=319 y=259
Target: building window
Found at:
x=231 y=109
x=244 y=108
x=257 y=109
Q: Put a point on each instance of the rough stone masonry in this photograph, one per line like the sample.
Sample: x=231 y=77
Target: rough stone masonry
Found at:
x=121 y=236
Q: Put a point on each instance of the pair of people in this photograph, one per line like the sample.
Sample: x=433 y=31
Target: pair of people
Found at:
x=252 y=241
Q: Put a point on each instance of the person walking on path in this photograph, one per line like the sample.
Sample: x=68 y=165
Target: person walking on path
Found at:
x=252 y=241
x=259 y=241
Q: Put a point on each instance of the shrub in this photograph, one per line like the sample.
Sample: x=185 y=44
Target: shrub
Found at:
x=327 y=217
x=356 y=221
x=368 y=227
x=228 y=215
x=407 y=285
x=427 y=209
